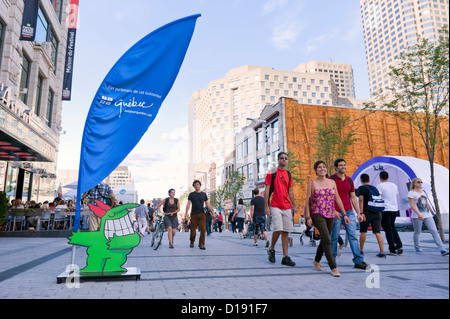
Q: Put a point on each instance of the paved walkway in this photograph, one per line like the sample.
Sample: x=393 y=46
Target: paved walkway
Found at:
x=229 y=268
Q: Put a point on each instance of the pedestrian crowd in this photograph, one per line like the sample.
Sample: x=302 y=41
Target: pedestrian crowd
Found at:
x=332 y=203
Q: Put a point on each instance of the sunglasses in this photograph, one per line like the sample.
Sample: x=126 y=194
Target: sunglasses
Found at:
x=419 y=182
x=283 y=158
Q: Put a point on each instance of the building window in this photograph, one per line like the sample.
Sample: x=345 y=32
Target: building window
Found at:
x=57 y=5
x=259 y=140
x=49 y=108
x=24 y=78
x=2 y=36
x=275 y=131
x=37 y=108
x=44 y=33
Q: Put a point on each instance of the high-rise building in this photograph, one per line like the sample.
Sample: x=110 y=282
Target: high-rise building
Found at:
x=218 y=112
x=341 y=73
x=31 y=76
x=390 y=26
x=120 y=176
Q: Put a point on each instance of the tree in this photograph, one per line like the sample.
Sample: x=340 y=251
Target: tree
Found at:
x=219 y=196
x=233 y=186
x=419 y=96
x=293 y=166
x=331 y=142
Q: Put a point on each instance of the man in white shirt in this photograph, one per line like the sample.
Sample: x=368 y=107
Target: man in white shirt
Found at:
x=389 y=192
x=141 y=215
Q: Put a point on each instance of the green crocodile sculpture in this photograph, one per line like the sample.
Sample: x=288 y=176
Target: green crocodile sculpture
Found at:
x=108 y=248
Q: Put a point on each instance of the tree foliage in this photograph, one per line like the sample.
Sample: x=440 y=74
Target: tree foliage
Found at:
x=419 y=95
x=331 y=142
x=293 y=166
x=233 y=186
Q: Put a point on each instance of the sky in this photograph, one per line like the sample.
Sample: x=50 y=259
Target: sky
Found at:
x=230 y=33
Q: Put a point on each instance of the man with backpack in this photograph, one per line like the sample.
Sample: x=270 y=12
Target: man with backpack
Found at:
x=371 y=204
x=279 y=202
x=346 y=190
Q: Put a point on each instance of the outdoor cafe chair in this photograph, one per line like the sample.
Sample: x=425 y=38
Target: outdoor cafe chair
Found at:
x=45 y=218
x=58 y=217
x=20 y=223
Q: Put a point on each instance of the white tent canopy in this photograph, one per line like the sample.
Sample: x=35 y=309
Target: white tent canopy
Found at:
x=402 y=170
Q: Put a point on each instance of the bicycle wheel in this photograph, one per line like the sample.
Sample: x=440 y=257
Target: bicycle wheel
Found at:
x=154 y=235
x=159 y=236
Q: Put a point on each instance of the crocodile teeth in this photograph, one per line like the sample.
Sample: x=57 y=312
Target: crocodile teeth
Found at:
x=119 y=227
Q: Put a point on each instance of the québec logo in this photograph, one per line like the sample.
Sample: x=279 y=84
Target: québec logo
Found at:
x=126 y=104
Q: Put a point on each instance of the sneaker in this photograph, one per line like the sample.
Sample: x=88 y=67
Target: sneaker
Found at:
x=392 y=253
x=271 y=254
x=444 y=253
x=399 y=251
x=191 y=245
x=361 y=265
x=419 y=251
x=381 y=255
x=255 y=244
x=287 y=261
x=202 y=247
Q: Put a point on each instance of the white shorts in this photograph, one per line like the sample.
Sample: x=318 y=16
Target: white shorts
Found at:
x=282 y=220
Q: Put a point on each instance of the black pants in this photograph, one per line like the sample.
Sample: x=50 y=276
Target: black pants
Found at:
x=324 y=226
x=392 y=237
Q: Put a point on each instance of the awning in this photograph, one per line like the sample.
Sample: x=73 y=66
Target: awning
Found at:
x=12 y=149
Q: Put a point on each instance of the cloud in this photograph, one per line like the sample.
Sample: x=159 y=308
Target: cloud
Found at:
x=316 y=42
x=354 y=30
x=285 y=34
x=176 y=135
x=284 y=19
x=142 y=158
x=272 y=5
x=154 y=182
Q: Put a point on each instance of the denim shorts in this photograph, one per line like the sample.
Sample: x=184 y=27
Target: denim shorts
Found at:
x=260 y=224
x=171 y=221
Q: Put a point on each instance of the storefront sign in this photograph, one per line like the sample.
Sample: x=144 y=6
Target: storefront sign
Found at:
x=7 y=100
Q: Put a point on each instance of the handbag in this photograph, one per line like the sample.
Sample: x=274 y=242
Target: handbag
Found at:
x=435 y=216
x=311 y=198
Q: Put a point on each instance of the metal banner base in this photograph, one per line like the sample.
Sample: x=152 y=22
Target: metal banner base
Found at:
x=132 y=273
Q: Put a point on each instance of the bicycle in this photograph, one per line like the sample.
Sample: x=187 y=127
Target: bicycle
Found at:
x=158 y=231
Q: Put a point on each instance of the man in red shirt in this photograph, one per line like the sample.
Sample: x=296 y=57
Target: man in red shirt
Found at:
x=280 y=208
x=346 y=190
